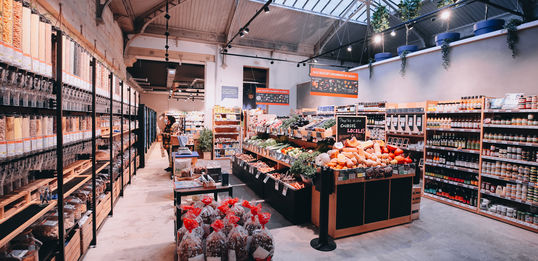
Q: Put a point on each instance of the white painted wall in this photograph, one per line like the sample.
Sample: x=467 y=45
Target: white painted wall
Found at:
x=282 y=75
x=160 y=103
x=481 y=65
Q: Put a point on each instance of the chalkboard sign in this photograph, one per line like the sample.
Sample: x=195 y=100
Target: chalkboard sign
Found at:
x=334 y=83
x=350 y=126
x=265 y=96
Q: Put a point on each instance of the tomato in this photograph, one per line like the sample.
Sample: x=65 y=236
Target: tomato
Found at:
x=408 y=160
x=398 y=151
x=391 y=155
x=385 y=149
x=400 y=159
x=391 y=148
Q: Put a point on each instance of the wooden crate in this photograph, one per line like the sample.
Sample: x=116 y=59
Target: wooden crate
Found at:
x=72 y=248
x=116 y=190
x=415 y=209
x=415 y=198
x=86 y=234
x=103 y=209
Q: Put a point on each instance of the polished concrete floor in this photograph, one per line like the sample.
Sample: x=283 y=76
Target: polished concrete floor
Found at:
x=142 y=229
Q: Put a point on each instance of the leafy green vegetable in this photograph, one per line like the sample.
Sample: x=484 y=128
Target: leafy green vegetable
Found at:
x=329 y=123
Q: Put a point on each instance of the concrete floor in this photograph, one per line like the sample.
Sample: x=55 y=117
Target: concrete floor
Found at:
x=142 y=229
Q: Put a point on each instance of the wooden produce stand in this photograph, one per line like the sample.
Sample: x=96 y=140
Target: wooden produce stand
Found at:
x=358 y=205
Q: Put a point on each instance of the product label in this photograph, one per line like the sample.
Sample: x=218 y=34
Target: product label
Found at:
x=39 y=143
x=260 y=253
x=284 y=191
x=276 y=185
x=265 y=179
x=19 y=147
x=27 y=145
x=258 y=175
x=3 y=149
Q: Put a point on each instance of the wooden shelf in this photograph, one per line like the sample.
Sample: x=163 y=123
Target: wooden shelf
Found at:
x=528 y=203
x=450 y=202
x=516 y=143
x=524 y=162
x=454 y=112
x=451 y=182
x=453 y=130
x=511 y=221
x=511 y=111
x=475 y=171
x=453 y=149
x=269 y=158
x=509 y=180
x=412 y=135
x=526 y=127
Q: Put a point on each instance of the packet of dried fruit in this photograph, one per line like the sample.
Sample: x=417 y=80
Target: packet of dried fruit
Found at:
x=237 y=241
x=191 y=247
x=252 y=222
x=262 y=244
x=193 y=214
x=215 y=245
x=237 y=210
x=208 y=215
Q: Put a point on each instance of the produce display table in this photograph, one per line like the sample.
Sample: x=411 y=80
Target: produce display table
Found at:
x=359 y=205
x=180 y=192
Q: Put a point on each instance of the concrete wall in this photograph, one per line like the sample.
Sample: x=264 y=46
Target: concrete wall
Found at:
x=228 y=71
x=160 y=103
x=480 y=65
x=106 y=37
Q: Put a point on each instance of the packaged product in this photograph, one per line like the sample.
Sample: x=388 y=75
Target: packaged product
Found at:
x=215 y=245
x=237 y=241
x=208 y=215
x=262 y=244
x=191 y=248
x=193 y=213
x=237 y=210
x=223 y=210
x=252 y=223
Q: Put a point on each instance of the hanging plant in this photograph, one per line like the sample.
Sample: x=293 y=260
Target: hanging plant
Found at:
x=512 y=38
x=370 y=67
x=445 y=51
x=380 y=19
x=443 y=3
x=409 y=10
x=403 y=57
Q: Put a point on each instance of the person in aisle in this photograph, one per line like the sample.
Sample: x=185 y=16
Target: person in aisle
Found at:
x=172 y=128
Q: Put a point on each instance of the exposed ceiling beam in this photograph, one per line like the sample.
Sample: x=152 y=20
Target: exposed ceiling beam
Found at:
x=231 y=18
x=185 y=33
x=335 y=27
x=129 y=10
x=135 y=53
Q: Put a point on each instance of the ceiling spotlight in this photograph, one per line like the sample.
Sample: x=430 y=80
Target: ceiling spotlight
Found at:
x=225 y=50
x=241 y=34
x=272 y=62
x=445 y=14
x=377 y=38
x=266 y=9
x=304 y=64
x=349 y=48
x=246 y=30
x=393 y=33
x=229 y=46
x=315 y=61
x=298 y=65
x=171 y=69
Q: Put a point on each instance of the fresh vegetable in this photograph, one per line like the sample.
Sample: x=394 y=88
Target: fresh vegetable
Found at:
x=398 y=151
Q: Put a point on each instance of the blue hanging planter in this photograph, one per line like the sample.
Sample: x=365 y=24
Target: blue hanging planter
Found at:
x=488 y=26
x=382 y=56
x=449 y=36
x=408 y=48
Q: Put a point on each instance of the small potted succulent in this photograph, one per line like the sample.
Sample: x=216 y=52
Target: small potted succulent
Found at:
x=487 y=26
x=380 y=23
x=447 y=36
x=409 y=10
x=205 y=143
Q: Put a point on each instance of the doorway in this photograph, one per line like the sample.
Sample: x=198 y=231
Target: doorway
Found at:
x=253 y=77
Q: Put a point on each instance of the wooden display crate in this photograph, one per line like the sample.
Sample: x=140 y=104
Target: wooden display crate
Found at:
x=86 y=234
x=116 y=190
x=72 y=248
x=103 y=209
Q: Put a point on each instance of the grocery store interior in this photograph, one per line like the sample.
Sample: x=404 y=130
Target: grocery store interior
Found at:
x=268 y=130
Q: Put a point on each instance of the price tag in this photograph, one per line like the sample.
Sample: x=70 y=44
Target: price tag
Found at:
x=276 y=185
x=258 y=175
x=266 y=179
x=284 y=191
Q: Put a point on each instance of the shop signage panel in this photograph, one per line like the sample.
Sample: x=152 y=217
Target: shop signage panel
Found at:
x=230 y=92
x=334 y=83
x=350 y=126
x=265 y=96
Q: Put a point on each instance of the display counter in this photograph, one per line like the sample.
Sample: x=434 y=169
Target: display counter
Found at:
x=358 y=205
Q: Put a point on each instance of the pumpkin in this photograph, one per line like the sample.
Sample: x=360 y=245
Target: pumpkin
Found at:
x=353 y=142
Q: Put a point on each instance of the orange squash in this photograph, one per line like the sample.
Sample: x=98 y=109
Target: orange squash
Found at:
x=353 y=142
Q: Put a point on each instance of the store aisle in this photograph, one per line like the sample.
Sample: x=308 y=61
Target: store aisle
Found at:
x=142 y=225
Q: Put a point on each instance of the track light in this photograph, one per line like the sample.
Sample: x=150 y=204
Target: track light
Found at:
x=225 y=50
x=445 y=14
x=393 y=33
x=298 y=65
x=229 y=46
x=241 y=34
x=304 y=64
x=266 y=9
x=377 y=38
x=272 y=62
x=349 y=48
x=246 y=30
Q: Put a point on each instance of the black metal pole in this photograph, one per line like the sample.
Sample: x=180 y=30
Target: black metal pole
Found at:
x=122 y=169
x=324 y=242
x=59 y=146
x=110 y=139
x=94 y=197
x=129 y=113
x=135 y=112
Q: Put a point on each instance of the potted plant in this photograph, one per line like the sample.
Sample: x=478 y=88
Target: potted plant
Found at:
x=303 y=166
x=487 y=26
x=409 y=10
x=447 y=36
x=380 y=23
x=205 y=143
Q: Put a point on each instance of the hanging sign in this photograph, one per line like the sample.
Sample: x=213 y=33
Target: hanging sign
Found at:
x=266 y=96
x=230 y=92
x=334 y=83
x=350 y=126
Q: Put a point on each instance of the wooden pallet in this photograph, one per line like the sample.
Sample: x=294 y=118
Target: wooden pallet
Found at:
x=22 y=197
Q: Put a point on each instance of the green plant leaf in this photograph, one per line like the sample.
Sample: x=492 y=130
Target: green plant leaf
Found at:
x=380 y=19
x=512 y=38
x=205 y=142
